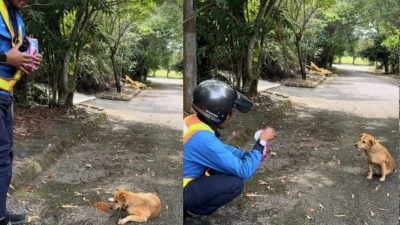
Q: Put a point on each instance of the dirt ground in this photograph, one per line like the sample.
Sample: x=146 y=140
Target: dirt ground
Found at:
x=140 y=157
x=317 y=175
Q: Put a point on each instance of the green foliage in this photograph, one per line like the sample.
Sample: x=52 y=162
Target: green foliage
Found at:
x=79 y=36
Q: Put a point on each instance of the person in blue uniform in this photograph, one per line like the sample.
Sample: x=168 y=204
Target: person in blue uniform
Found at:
x=213 y=172
x=13 y=64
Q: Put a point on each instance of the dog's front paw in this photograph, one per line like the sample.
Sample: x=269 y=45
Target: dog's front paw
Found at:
x=382 y=179
x=121 y=222
x=369 y=177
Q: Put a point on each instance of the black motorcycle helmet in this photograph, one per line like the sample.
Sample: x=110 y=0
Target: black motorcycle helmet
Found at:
x=214 y=100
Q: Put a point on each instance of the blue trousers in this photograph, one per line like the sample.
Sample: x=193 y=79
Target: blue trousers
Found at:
x=6 y=154
x=204 y=195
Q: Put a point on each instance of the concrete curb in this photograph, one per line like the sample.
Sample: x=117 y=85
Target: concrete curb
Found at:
x=127 y=96
x=43 y=161
x=306 y=83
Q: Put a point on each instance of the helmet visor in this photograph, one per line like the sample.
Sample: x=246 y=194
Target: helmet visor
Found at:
x=242 y=103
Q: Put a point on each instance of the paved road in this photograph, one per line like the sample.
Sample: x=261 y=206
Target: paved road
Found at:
x=138 y=147
x=160 y=105
x=354 y=91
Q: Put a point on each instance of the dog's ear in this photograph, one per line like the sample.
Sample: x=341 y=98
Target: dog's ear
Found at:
x=372 y=142
x=363 y=134
x=120 y=189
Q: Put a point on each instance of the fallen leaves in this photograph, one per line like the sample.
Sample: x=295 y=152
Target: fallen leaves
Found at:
x=68 y=206
x=254 y=195
x=78 y=194
x=340 y=215
x=103 y=206
x=261 y=182
x=31 y=219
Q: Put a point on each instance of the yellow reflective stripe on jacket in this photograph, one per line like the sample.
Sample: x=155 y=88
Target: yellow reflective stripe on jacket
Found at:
x=186 y=181
x=7 y=84
x=193 y=124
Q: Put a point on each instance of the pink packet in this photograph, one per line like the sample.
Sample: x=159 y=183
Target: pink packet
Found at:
x=32 y=50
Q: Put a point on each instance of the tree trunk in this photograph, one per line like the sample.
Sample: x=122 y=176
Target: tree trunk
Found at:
x=63 y=89
x=248 y=75
x=81 y=18
x=115 y=71
x=189 y=54
x=386 y=65
x=299 y=55
x=354 y=59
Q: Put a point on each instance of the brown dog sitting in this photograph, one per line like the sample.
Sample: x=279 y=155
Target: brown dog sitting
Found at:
x=377 y=155
x=139 y=206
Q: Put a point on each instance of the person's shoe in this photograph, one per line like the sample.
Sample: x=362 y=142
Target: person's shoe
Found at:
x=15 y=219
x=5 y=221
x=195 y=221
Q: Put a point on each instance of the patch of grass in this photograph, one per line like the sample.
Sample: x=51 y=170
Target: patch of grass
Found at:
x=349 y=60
x=163 y=73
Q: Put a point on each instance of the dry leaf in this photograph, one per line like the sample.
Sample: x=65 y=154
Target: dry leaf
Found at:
x=31 y=219
x=383 y=209
x=261 y=182
x=377 y=187
x=311 y=210
x=78 y=194
x=320 y=205
x=372 y=213
x=352 y=196
x=254 y=195
x=309 y=217
x=103 y=206
x=66 y=206
x=340 y=215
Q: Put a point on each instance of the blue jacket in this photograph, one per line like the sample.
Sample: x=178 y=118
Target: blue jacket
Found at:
x=204 y=150
x=5 y=43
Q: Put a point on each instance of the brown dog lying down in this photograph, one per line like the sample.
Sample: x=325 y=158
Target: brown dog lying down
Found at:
x=139 y=206
x=377 y=156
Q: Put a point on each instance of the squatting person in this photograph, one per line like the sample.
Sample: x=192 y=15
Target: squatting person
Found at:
x=213 y=172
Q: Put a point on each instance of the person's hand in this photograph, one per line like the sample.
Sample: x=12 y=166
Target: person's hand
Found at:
x=268 y=134
x=18 y=59
x=37 y=59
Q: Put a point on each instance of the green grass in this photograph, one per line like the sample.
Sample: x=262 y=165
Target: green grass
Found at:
x=163 y=73
x=349 y=60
